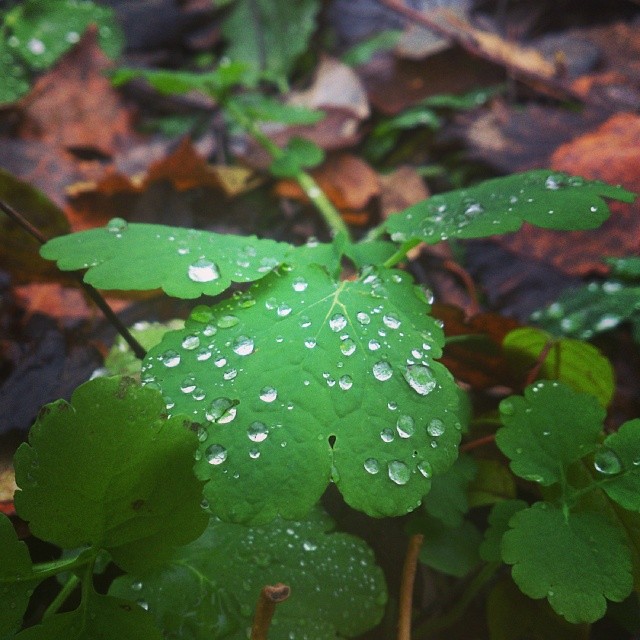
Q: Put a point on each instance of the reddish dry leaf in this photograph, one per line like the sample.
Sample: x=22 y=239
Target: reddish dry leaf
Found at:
x=348 y=181
x=8 y=487
x=610 y=153
x=74 y=104
x=400 y=189
x=478 y=361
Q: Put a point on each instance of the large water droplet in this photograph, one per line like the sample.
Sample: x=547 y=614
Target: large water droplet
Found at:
x=473 y=208
x=405 y=426
x=363 y=318
x=230 y=374
x=243 y=346
x=348 y=347
x=170 y=358
x=221 y=410
x=372 y=466
x=215 y=454
x=309 y=546
x=345 y=382
x=310 y=343
x=391 y=321
x=188 y=384
x=607 y=462
x=382 y=370
x=268 y=394
x=257 y=431
x=337 y=322
x=299 y=284
x=386 y=435
x=425 y=469
x=435 y=428
x=283 y=310
x=399 y=472
x=117 y=225
x=420 y=379
x=227 y=321
x=373 y=345
x=203 y=270
x=190 y=342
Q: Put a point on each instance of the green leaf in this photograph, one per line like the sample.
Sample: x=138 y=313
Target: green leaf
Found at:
x=501 y=513
x=365 y=254
x=548 y=429
x=493 y=483
x=210 y=588
x=363 y=51
x=513 y=616
x=260 y=108
x=627 y=267
x=15 y=76
x=451 y=550
x=578 y=364
x=185 y=263
x=269 y=35
x=16 y=579
x=501 y=205
x=298 y=154
x=111 y=471
x=575 y=560
x=592 y=309
x=447 y=499
x=122 y=361
x=98 y=618
x=43 y=30
x=20 y=249
x=309 y=361
x=618 y=464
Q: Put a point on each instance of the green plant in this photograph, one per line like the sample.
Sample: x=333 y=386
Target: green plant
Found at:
x=301 y=380
x=34 y=34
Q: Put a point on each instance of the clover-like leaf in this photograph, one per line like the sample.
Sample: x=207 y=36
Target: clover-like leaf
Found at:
x=541 y=197
x=299 y=153
x=618 y=464
x=209 y=589
x=304 y=380
x=42 y=30
x=575 y=560
x=16 y=579
x=98 y=617
x=592 y=309
x=548 y=429
x=111 y=471
x=185 y=263
x=499 y=517
x=574 y=362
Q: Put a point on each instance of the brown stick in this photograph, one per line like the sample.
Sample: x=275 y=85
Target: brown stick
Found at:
x=93 y=293
x=406 y=587
x=269 y=597
x=535 y=370
x=525 y=64
x=474 y=444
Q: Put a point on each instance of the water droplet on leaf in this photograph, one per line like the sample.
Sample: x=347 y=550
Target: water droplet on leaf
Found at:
x=420 y=379
x=382 y=370
x=203 y=270
x=372 y=466
x=405 y=426
x=268 y=394
x=607 y=462
x=215 y=454
x=257 y=432
x=435 y=428
x=243 y=346
x=399 y=472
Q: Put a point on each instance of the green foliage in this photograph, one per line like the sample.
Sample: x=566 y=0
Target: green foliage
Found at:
x=36 y=33
x=298 y=154
x=300 y=359
x=95 y=473
x=598 y=306
x=540 y=197
x=578 y=364
x=336 y=589
x=362 y=52
x=576 y=548
x=269 y=35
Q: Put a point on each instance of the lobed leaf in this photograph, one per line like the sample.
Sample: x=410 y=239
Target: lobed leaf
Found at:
x=209 y=589
x=16 y=579
x=575 y=560
x=185 y=263
x=548 y=429
x=110 y=470
x=579 y=364
x=98 y=617
x=492 y=484
x=499 y=516
x=304 y=380
x=541 y=197
x=618 y=465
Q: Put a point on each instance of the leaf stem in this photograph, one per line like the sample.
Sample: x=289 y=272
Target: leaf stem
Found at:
x=401 y=252
x=449 y=618
x=62 y=596
x=311 y=188
x=93 y=293
x=269 y=597
x=406 y=586
x=479 y=442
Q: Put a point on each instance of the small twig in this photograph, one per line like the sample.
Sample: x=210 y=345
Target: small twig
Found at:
x=479 y=442
x=93 y=293
x=535 y=370
x=270 y=596
x=406 y=587
x=467 y=281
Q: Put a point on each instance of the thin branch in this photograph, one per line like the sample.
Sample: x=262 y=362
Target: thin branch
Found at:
x=535 y=370
x=93 y=293
x=270 y=596
x=406 y=587
x=479 y=442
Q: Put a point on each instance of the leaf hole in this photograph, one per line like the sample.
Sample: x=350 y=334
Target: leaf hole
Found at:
x=332 y=441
